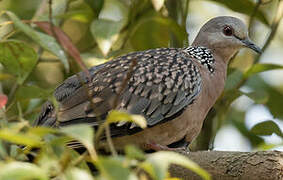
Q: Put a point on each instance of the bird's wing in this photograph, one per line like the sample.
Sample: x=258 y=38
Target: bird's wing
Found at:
x=163 y=83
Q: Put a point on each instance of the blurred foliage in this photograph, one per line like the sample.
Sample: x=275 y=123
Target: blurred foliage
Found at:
x=34 y=59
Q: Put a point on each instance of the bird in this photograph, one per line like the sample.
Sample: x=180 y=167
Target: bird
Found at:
x=172 y=88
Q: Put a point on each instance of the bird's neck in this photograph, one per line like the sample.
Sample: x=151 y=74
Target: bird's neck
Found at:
x=224 y=53
x=218 y=77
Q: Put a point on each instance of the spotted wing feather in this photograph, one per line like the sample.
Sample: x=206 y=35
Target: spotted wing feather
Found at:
x=163 y=83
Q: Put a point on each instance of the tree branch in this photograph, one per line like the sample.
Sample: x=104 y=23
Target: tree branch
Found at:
x=224 y=165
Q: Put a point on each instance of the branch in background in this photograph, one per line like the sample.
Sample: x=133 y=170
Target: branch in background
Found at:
x=51 y=21
x=185 y=15
x=64 y=41
x=274 y=27
x=252 y=17
x=109 y=140
x=262 y=165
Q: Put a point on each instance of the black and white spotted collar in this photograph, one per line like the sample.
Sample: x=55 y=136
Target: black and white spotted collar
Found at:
x=203 y=55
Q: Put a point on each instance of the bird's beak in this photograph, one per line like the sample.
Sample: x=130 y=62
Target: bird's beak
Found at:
x=248 y=43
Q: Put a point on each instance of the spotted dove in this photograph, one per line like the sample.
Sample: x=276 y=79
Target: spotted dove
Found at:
x=173 y=88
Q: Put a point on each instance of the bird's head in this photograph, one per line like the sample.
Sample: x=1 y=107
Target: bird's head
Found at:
x=225 y=35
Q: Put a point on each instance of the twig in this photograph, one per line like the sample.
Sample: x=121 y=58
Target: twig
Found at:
x=12 y=92
x=252 y=17
x=59 y=40
x=79 y=159
x=99 y=133
x=6 y=23
x=274 y=28
x=185 y=15
x=4 y=120
x=51 y=22
x=109 y=140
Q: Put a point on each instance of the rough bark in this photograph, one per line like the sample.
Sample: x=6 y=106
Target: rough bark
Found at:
x=262 y=165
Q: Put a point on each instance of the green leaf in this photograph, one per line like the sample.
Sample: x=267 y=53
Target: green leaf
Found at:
x=154 y=31
x=259 y=97
x=258 y=68
x=30 y=92
x=238 y=120
x=47 y=42
x=114 y=10
x=82 y=13
x=106 y=33
x=244 y=7
x=134 y=153
x=41 y=131
x=3 y=150
x=265 y=147
x=21 y=170
x=233 y=80
x=112 y=18
x=117 y=116
x=18 y=59
x=75 y=174
x=82 y=133
x=267 y=128
x=275 y=96
x=158 y=163
x=20 y=138
x=5 y=76
x=113 y=168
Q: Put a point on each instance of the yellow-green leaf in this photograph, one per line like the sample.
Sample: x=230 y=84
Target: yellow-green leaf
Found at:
x=82 y=133
x=41 y=131
x=117 y=116
x=76 y=173
x=20 y=171
x=113 y=168
x=20 y=138
x=258 y=68
x=106 y=33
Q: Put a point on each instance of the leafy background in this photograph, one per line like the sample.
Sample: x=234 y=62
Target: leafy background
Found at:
x=90 y=32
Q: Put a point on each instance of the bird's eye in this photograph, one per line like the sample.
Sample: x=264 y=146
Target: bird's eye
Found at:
x=228 y=31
